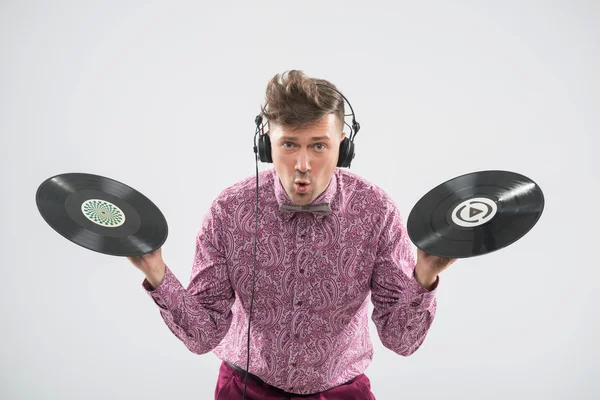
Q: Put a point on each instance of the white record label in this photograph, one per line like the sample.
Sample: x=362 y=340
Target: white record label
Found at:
x=103 y=213
x=474 y=212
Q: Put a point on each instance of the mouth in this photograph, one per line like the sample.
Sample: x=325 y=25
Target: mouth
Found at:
x=301 y=186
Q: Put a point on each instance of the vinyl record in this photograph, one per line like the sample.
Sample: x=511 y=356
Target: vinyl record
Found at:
x=475 y=214
x=101 y=214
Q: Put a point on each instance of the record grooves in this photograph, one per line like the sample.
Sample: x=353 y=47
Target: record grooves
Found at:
x=101 y=214
x=475 y=214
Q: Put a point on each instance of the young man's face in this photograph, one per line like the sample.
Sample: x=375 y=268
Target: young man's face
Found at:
x=305 y=159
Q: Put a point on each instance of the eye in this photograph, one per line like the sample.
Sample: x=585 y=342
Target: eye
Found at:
x=288 y=145
x=320 y=146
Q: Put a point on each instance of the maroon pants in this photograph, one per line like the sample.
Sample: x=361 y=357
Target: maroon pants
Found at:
x=230 y=386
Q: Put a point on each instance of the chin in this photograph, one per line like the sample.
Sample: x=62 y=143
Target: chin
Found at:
x=302 y=200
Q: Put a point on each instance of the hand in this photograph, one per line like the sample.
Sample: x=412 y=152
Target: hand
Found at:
x=148 y=261
x=429 y=267
x=435 y=263
x=152 y=265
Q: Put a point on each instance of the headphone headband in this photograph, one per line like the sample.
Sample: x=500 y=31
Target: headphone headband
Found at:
x=355 y=125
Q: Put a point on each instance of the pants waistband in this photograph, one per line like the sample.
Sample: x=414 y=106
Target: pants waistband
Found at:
x=257 y=379
x=243 y=371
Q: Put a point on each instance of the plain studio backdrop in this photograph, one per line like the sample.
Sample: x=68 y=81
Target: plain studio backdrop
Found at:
x=162 y=97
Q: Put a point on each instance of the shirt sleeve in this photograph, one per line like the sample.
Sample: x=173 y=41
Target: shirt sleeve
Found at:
x=200 y=315
x=402 y=309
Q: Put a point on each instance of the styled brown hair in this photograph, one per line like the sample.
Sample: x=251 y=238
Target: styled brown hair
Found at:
x=294 y=100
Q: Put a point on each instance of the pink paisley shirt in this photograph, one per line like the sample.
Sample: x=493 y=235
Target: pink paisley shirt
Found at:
x=314 y=277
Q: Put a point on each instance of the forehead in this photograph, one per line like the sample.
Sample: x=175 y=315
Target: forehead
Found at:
x=329 y=125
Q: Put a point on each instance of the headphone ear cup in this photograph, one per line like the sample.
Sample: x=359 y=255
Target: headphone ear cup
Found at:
x=264 y=148
x=346 y=153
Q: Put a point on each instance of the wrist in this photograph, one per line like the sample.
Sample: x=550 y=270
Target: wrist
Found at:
x=155 y=275
x=425 y=277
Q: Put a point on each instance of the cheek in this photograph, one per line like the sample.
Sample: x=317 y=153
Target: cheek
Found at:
x=281 y=159
x=284 y=166
x=325 y=168
x=332 y=159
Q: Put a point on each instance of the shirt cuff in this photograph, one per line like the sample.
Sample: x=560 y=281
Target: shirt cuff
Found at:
x=418 y=296
x=167 y=292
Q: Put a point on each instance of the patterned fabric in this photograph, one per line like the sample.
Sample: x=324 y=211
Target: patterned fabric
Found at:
x=315 y=274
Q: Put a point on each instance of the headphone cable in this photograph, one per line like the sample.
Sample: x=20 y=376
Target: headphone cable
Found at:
x=253 y=270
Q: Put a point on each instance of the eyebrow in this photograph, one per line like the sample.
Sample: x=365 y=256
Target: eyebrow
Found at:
x=293 y=138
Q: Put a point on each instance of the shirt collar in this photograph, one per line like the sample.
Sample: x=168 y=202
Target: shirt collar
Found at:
x=326 y=197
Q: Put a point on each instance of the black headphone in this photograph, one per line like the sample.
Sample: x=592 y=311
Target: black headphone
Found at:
x=346 y=147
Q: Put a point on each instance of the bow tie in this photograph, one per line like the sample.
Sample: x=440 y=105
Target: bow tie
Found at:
x=322 y=208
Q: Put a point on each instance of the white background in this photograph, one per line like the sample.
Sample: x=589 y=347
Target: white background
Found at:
x=162 y=96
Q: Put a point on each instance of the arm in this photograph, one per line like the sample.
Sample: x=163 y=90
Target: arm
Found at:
x=200 y=315
x=403 y=309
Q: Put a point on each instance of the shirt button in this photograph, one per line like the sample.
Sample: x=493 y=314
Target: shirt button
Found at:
x=301 y=271
x=293 y=364
x=297 y=336
x=299 y=303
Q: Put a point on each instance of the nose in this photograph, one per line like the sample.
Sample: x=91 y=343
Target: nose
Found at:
x=302 y=162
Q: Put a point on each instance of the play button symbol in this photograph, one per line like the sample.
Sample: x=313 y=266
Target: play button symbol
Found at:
x=474 y=211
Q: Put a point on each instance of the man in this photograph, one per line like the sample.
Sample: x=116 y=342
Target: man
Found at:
x=314 y=271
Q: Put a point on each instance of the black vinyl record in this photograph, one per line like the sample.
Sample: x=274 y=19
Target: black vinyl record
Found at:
x=475 y=214
x=101 y=214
